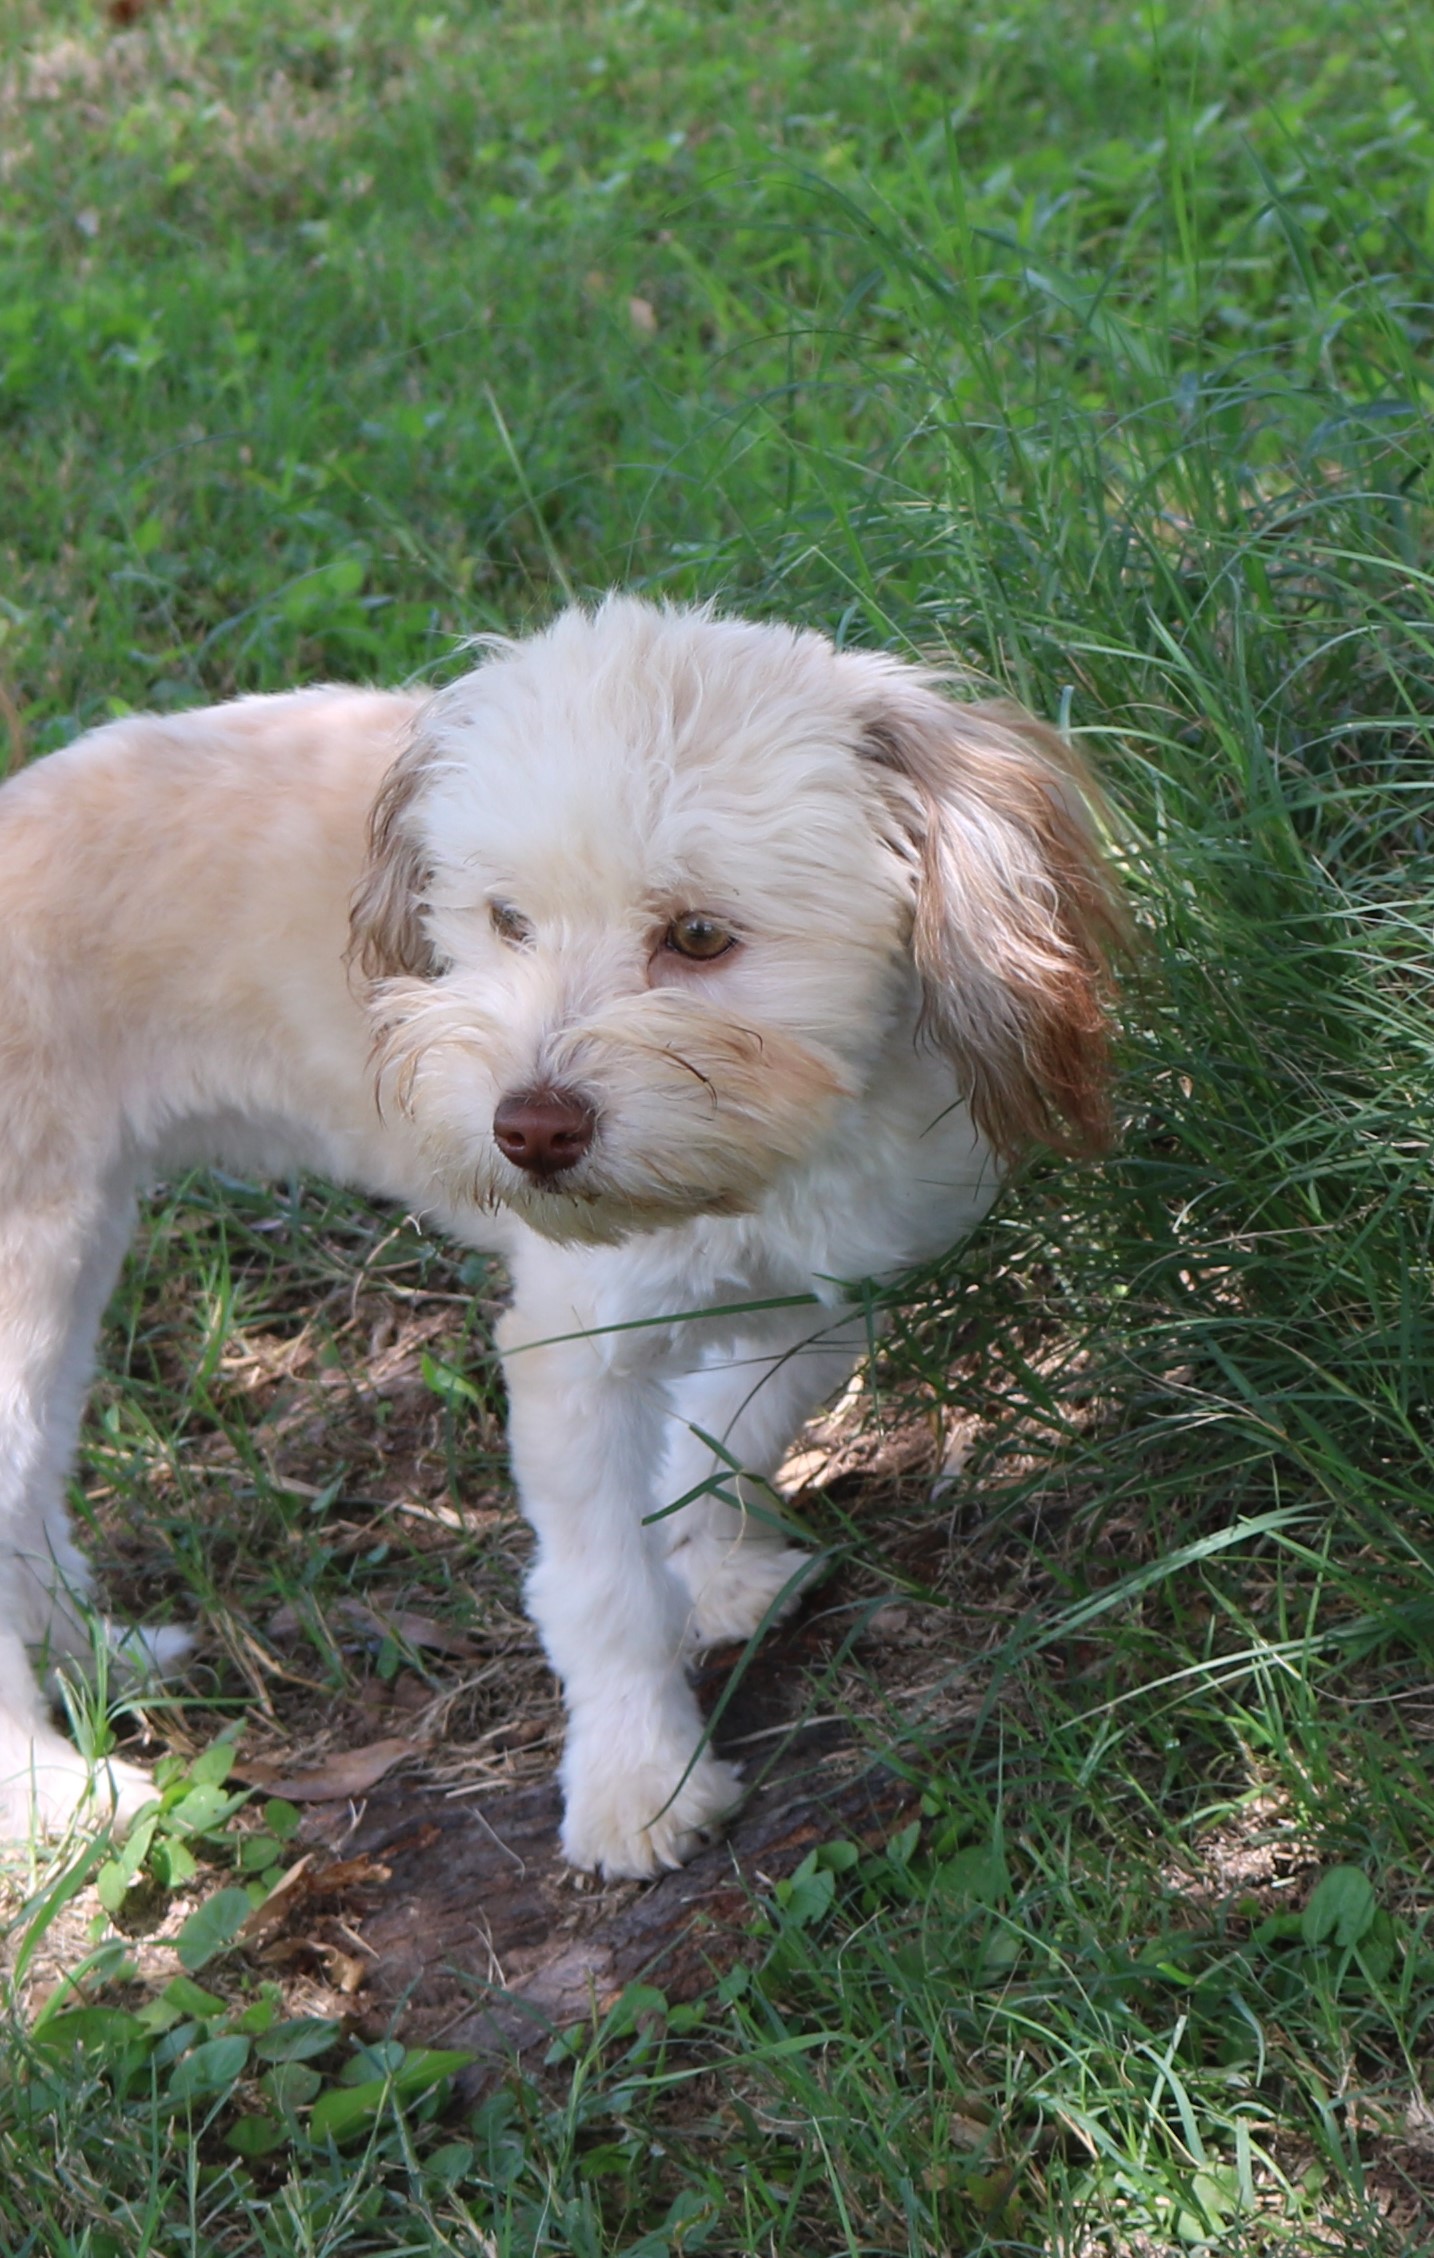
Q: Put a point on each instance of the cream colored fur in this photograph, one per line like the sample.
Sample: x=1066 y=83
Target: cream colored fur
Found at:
x=264 y=935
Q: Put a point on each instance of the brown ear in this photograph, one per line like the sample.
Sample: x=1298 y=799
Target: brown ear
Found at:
x=388 y=936
x=1016 y=908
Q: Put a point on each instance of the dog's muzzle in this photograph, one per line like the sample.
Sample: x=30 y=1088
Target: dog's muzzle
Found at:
x=543 y=1131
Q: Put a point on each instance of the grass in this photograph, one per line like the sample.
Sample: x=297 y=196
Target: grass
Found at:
x=1088 y=341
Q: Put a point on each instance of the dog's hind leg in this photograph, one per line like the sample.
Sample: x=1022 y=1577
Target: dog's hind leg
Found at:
x=734 y=1418
x=58 y=1263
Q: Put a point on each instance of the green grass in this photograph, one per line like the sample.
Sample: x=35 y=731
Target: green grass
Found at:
x=1090 y=341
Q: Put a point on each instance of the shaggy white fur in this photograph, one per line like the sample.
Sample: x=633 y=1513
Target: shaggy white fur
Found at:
x=694 y=965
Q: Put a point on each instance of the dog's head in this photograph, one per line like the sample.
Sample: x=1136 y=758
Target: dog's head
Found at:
x=650 y=895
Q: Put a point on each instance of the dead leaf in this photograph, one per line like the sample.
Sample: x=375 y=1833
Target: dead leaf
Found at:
x=347 y=1973
x=347 y=1874
x=350 y=1772
x=420 y=1631
x=274 y=1909
x=406 y=1628
x=306 y=1885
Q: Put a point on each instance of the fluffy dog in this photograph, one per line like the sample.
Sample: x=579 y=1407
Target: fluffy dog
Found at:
x=700 y=968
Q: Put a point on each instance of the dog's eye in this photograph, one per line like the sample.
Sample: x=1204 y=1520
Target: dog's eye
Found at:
x=700 y=938
x=510 y=924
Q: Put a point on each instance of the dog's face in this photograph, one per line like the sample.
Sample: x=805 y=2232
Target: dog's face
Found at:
x=649 y=894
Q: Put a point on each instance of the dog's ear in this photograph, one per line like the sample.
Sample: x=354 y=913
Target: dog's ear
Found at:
x=388 y=935
x=1015 y=913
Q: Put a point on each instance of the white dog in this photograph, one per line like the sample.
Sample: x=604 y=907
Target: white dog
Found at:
x=701 y=968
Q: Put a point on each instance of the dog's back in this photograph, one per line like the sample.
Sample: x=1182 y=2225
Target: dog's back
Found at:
x=160 y=880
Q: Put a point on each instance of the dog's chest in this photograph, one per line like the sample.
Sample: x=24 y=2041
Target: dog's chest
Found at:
x=906 y=1179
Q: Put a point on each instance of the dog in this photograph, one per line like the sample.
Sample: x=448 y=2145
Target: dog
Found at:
x=700 y=968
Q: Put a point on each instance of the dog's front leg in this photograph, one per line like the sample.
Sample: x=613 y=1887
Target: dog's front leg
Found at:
x=727 y=1544
x=640 y=1790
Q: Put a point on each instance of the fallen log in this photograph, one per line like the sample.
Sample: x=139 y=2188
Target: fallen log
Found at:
x=475 y=1933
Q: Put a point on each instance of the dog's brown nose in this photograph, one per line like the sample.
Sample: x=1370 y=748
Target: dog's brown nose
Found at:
x=543 y=1131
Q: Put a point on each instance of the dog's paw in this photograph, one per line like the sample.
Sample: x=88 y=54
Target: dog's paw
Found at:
x=736 y=1588
x=629 y=1821
x=48 y=1789
x=143 y=1658
x=120 y=1658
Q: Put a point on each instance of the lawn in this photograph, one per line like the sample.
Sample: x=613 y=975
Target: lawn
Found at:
x=1087 y=341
